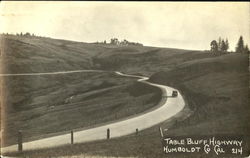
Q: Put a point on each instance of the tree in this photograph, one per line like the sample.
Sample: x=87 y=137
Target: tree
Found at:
x=223 y=46
x=214 y=46
x=27 y=34
x=227 y=45
x=240 y=45
x=246 y=49
x=124 y=42
x=219 y=44
x=114 y=41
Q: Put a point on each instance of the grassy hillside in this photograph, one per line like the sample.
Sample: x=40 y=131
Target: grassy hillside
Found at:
x=216 y=91
x=215 y=88
x=47 y=105
x=41 y=105
x=34 y=54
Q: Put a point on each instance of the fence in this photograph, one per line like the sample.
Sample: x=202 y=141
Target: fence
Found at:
x=20 y=137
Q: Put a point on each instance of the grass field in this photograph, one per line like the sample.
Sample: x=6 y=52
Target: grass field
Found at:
x=215 y=88
x=41 y=105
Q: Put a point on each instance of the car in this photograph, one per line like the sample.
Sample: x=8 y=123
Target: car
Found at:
x=174 y=94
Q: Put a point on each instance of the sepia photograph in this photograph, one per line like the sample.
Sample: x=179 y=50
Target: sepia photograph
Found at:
x=129 y=79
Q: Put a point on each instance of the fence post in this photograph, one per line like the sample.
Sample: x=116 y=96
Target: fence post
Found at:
x=108 y=133
x=161 y=132
x=136 y=131
x=20 y=141
x=72 y=137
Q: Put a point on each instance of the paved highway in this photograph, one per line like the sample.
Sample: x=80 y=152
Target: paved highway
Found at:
x=167 y=107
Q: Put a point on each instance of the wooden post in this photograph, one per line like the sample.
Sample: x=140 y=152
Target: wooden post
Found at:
x=20 y=141
x=108 y=133
x=161 y=132
x=136 y=131
x=72 y=137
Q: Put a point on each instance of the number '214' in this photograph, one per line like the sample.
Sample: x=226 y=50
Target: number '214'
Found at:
x=237 y=151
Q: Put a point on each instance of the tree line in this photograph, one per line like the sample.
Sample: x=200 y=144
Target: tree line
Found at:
x=26 y=34
x=222 y=46
x=115 y=41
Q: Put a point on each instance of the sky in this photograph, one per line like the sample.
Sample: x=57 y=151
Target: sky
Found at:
x=186 y=25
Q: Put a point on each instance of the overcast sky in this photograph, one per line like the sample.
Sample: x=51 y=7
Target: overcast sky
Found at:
x=188 y=25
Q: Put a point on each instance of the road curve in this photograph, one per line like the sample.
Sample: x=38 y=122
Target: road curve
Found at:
x=49 y=73
x=167 y=107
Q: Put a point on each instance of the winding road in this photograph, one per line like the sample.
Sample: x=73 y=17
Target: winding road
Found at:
x=167 y=107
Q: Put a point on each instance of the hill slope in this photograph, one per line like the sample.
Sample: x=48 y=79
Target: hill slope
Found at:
x=34 y=54
x=48 y=104
x=215 y=86
x=217 y=90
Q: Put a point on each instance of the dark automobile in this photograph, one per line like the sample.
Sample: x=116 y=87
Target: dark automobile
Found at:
x=174 y=94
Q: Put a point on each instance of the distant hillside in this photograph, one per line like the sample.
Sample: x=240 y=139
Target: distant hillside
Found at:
x=22 y=54
x=34 y=54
